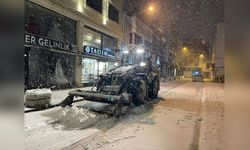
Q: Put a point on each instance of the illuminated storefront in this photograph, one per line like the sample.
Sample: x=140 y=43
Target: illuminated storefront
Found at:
x=99 y=54
x=50 y=48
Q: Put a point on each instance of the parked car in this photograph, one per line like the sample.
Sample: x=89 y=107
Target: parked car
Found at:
x=197 y=76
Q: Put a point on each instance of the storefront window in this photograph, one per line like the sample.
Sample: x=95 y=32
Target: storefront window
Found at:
x=46 y=23
x=48 y=30
x=102 y=67
x=89 y=71
x=46 y=68
x=92 y=68
x=98 y=54
x=110 y=65
x=105 y=66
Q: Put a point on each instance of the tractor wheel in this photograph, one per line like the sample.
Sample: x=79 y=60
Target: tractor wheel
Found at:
x=154 y=89
x=140 y=92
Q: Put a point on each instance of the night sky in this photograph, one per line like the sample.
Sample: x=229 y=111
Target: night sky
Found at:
x=192 y=18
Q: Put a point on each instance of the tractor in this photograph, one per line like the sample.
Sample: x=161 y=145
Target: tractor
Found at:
x=135 y=81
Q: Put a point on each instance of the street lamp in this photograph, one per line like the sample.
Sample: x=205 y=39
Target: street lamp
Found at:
x=184 y=49
x=151 y=8
x=201 y=56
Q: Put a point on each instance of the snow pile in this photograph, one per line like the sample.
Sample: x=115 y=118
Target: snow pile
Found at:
x=37 y=97
x=39 y=92
x=73 y=117
x=122 y=69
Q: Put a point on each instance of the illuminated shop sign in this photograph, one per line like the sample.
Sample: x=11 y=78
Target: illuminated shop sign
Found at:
x=32 y=40
x=89 y=50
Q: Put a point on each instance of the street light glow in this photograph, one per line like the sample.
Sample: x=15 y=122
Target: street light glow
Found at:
x=201 y=55
x=151 y=8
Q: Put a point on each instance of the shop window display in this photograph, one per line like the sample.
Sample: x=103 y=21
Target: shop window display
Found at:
x=45 y=68
x=89 y=71
x=98 y=53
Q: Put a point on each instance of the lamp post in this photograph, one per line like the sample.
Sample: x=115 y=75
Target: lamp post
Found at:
x=184 y=53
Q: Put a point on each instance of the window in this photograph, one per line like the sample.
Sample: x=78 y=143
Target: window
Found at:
x=131 y=38
x=89 y=71
x=113 y=13
x=109 y=42
x=148 y=44
x=97 y=39
x=95 y=4
x=92 y=38
x=43 y=22
x=138 y=39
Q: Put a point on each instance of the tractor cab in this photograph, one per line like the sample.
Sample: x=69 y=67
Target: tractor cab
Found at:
x=135 y=56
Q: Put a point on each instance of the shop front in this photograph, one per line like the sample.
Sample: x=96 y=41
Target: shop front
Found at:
x=50 y=48
x=99 y=54
x=95 y=62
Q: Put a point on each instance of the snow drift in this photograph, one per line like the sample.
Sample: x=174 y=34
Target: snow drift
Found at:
x=76 y=118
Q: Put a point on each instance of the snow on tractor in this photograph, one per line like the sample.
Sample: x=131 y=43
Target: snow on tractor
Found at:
x=134 y=81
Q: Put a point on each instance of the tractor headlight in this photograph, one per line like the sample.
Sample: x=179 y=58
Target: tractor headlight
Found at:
x=142 y=64
x=116 y=64
x=140 y=51
x=125 y=51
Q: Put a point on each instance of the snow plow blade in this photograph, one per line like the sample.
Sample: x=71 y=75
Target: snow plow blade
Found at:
x=122 y=99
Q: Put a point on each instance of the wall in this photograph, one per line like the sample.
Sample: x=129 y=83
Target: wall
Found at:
x=133 y=24
x=219 y=50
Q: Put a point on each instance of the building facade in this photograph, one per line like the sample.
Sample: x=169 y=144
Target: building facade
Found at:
x=68 y=43
x=138 y=35
x=159 y=45
x=218 y=51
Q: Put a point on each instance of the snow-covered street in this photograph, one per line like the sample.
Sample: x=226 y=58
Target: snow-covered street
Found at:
x=187 y=115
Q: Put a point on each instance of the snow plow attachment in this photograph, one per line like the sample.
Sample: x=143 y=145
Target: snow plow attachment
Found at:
x=122 y=99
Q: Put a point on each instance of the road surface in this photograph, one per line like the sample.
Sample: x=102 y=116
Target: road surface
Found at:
x=186 y=116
